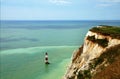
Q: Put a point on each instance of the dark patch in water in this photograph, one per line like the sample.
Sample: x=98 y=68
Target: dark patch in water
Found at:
x=18 y=39
x=4 y=47
x=31 y=27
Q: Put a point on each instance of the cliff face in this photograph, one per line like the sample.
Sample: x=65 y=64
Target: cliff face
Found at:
x=88 y=60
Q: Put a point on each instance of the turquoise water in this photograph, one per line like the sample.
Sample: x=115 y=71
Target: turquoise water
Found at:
x=24 y=43
x=17 y=38
x=28 y=63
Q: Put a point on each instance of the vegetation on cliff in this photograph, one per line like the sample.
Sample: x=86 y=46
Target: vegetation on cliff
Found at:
x=112 y=31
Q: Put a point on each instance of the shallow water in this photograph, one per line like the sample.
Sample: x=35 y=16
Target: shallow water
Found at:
x=28 y=63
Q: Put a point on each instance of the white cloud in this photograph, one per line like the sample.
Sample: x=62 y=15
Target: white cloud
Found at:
x=105 y=5
x=109 y=1
x=60 y=2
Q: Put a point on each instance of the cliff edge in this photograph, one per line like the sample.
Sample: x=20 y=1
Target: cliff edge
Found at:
x=98 y=57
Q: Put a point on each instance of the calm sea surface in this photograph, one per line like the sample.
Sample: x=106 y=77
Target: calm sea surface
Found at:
x=24 y=43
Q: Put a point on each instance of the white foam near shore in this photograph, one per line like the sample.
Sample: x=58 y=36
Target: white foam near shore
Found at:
x=28 y=63
x=32 y=50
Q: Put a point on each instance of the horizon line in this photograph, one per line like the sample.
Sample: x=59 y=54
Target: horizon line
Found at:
x=59 y=20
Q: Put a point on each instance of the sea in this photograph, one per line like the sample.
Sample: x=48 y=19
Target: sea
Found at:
x=23 y=45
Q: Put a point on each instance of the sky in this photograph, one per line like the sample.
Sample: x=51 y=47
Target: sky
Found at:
x=60 y=10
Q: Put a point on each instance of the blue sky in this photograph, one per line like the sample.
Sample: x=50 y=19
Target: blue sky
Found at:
x=60 y=9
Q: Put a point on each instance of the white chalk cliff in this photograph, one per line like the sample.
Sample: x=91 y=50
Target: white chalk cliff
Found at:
x=84 y=56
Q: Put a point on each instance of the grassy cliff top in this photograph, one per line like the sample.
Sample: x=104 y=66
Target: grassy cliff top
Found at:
x=112 y=31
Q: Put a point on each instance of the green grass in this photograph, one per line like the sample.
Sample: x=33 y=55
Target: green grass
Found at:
x=106 y=30
x=84 y=74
